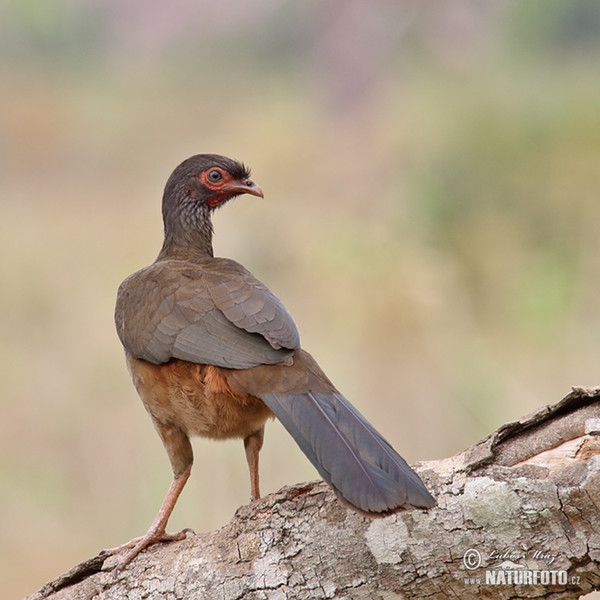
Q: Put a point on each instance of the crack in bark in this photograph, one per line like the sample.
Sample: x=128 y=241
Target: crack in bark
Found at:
x=300 y=543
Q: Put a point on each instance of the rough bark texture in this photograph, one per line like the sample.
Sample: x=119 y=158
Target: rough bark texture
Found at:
x=525 y=497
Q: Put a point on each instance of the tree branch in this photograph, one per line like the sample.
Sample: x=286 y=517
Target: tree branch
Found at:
x=525 y=497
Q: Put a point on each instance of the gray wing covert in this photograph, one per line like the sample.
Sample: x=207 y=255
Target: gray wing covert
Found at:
x=251 y=305
x=181 y=319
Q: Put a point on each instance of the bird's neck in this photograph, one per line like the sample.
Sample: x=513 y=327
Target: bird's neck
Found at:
x=188 y=236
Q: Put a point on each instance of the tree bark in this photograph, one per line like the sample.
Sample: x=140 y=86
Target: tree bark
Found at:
x=516 y=517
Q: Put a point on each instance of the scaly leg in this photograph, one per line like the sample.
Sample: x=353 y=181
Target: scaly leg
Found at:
x=178 y=446
x=156 y=532
x=252 y=444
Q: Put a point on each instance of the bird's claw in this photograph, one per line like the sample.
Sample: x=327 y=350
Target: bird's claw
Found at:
x=136 y=545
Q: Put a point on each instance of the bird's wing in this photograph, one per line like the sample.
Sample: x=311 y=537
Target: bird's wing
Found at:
x=212 y=313
x=250 y=304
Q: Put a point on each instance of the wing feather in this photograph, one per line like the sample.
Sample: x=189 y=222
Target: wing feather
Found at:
x=210 y=313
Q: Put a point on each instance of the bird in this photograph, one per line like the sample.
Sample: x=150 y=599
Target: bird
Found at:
x=212 y=352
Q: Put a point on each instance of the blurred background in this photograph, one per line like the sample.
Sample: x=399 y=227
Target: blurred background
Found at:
x=431 y=171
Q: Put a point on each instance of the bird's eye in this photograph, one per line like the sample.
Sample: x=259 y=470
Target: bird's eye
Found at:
x=215 y=176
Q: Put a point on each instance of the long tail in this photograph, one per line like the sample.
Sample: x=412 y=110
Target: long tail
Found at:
x=354 y=459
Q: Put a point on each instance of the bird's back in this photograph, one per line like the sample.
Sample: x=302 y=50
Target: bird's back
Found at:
x=210 y=311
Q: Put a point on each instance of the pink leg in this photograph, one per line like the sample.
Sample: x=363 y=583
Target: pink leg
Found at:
x=252 y=444
x=178 y=447
x=156 y=532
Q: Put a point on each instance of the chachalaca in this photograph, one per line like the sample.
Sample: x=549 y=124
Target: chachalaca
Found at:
x=213 y=352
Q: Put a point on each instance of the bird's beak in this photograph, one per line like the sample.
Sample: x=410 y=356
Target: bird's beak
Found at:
x=246 y=186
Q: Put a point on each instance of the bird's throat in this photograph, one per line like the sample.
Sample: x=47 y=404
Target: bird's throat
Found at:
x=188 y=236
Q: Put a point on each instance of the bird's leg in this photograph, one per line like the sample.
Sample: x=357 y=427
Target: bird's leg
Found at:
x=252 y=444
x=156 y=532
x=180 y=453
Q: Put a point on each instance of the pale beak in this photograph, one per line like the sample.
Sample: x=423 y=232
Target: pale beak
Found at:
x=246 y=186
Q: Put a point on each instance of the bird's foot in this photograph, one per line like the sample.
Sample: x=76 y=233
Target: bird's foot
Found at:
x=136 y=545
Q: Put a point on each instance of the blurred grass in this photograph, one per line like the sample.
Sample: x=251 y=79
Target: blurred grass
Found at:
x=437 y=244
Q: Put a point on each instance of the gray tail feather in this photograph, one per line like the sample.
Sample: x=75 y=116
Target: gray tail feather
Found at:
x=354 y=459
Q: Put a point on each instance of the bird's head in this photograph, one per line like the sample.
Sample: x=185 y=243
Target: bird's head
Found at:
x=207 y=180
x=195 y=188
